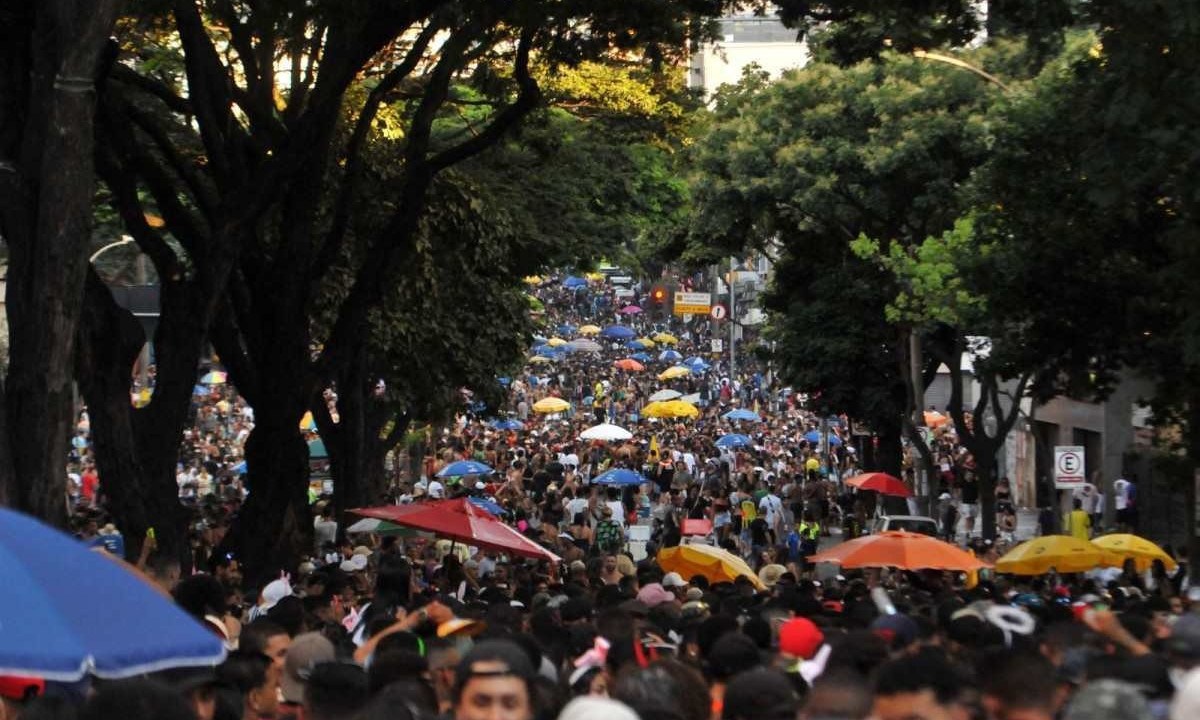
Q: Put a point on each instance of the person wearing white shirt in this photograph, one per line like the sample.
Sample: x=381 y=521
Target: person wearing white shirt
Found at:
x=618 y=512
x=436 y=490
x=771 y=508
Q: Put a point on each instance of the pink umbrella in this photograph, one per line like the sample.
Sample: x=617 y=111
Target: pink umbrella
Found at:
x=630 y=310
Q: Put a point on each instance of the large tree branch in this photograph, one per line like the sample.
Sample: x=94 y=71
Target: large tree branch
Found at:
x=186 y=227
x=127 y=204
x=527 y=99
x=332 y=244
x=205 y=200
x=209 y=89
x=153 y=87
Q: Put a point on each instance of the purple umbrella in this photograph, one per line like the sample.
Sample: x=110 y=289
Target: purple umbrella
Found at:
x=631 y=310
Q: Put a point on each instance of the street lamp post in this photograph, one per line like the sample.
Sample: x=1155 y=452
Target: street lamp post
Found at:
x=142 y=278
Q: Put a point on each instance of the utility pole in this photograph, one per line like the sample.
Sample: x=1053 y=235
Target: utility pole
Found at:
x=732 y=322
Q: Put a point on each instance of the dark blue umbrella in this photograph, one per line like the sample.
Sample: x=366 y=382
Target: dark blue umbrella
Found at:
x=566 y=329
x=508 y=424
x=486 y=505
x=617 y=332
x=669 y=356
x=68 y=612
x=465 y=467
x=620 y=476
x=504 y=381
x=572 y=282
x=740 y=414
x=733 y=440
x=636 y=345
x=814 y=437
x=642 y=357
x=200 y=390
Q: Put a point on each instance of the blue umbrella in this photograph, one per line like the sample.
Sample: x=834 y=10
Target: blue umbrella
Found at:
x=698 y=369
x=509 y=424
x=617 y=332
x=636 y=345
x=504 y=381
x=573 y=282
x=550 y=352
x=539 y=340
x=620 y=476
x=465 y=467
x=733 y=440
x=669 y=356
x=69 y=612
x=486 y=505
x=740 y=414
x=199 y=390
x=641 y=357
x=566 y=329
x=814 y=437
x=695 y=360
x=316 y=449
x=239 y=469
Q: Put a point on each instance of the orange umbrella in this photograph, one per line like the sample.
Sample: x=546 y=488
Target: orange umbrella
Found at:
x=935 y=419
x=897 y=549
x=629 y=364
x=881 y=483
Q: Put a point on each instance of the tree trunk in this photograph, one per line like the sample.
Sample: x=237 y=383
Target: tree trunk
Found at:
x=50 y=57
x=985 y=461
x=273 y=530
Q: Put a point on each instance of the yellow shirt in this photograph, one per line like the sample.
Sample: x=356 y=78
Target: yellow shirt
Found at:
x=1078 y=524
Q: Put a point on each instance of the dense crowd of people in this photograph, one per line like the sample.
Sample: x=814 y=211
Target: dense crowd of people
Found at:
x=412 y=626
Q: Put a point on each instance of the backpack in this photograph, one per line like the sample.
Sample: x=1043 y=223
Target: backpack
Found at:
x=749 y=511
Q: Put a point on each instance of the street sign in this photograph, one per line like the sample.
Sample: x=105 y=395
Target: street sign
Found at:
x=718 y=312
x=693 y=303
x=1069 y=472
x=718 y=345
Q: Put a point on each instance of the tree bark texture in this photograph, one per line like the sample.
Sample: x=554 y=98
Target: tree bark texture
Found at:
x=51 y=59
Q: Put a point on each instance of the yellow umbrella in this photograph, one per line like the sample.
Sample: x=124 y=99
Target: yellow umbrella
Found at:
x=533 y=280
x=589 y=330
x=646 y=342
x=556 y=342
x=551 y=405
x=674 y=372
x=307 y=422
x=539 y=360
x=667 y=338
x=1139 y=549
x=712 y=562
x=670 y=409
x=595 y=277
x=1054 y=552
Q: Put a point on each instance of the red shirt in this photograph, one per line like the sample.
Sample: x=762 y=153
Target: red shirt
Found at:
x=89 y=481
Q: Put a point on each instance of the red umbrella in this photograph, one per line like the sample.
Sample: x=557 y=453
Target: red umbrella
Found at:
x=881 y=483
x=458 y=519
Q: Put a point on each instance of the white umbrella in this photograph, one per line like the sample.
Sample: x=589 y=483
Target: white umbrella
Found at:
x=606 y=432
x=584 y=346
x=665 y=395
x=694 y=398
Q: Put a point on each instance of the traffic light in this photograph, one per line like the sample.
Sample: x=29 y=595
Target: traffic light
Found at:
x=660 y=301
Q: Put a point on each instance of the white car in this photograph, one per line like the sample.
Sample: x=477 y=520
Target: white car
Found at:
x=910 y=523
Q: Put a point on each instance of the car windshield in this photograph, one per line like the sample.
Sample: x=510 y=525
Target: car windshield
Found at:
x=926 y=527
